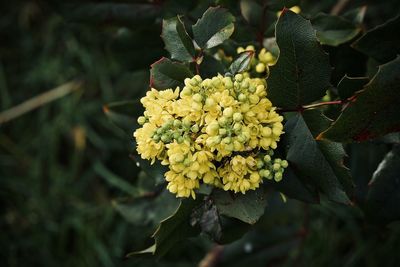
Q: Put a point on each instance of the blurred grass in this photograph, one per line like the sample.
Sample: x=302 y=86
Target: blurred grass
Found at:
x=65 y=169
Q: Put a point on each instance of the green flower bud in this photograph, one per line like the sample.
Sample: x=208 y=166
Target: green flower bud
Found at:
x=222 y=131
x=227 y=140
x=180 y=139
x=210 y=102
x=254 y=99
x=156 y=137
x=228 y=112
x=223 y=121
x=160 y=131
x=260 y=164
x=278 y=176
x=195 y=128
x=177 y=123
x=252 y=89
x=141 y=120
x=276 y=166
x=165 y=138
x=176 y=135
x=239 y=77
x=284 y=164
x=186 y=91
x=197 y=98
x=237 y=127
x=267 y=158
x=237 y=117
x=242 y=97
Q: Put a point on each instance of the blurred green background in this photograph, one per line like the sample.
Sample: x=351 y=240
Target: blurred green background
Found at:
x=67 y=173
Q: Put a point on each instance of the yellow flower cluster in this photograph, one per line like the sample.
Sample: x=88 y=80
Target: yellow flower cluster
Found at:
x=220 y=131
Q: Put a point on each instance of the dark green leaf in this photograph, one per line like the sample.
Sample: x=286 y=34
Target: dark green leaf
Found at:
x=213 y=28
x=175 y=228
x=349 y=85
x=210 y=67
x=384 y=195
x=293 y=187
x=241 y=63
x=320 y=163
x=177 y=41
x=114 y=180
x=302 y=72
x=381 y=43
x=147 y=210
x=207 y=217
x=124 y=115
x=251 y=11
x=334 y=30
x=374 y=113
x=247 y=207
x=168 y=74
x=356 y=15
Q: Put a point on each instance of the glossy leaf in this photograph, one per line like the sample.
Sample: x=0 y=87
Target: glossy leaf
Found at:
x=247 y=207
x=374 y=113
x=302 y=72
x=381 y=43
x=294 y=187
x=177 y=41
x=241 y=63
x=384 y=195
x=348 y=86
x=168 y=74
x=334 y=30
x=172 y=230
x=213 y=28
x=320 y=163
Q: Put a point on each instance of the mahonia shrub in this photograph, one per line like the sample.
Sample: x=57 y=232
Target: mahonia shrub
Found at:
x=220 y=131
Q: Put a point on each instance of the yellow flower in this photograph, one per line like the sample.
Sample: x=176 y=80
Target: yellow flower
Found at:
x=219 y=131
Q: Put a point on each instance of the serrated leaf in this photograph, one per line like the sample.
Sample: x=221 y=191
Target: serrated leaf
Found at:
x=177 y=41
x=175 y=228
x=320 y=163
x=383 y=198
x=374 y=113
x=207 y=217
x=247 y=207
x=302 y=72
x=334 y=30
x=381 y=43
x=213 y=28
x=166 y=74
x=349 y=85
x=241 y=63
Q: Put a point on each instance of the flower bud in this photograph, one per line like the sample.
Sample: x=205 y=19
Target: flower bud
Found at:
x=197 y=98
x=276 y=166
x=237 y=117
x=195 y=128
x=141 y=120
x=267 y=158
x=278 y=176
x=260 y=67
x=242 y=97
x=228 y=112
x=254 y=99
x=284 y=164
